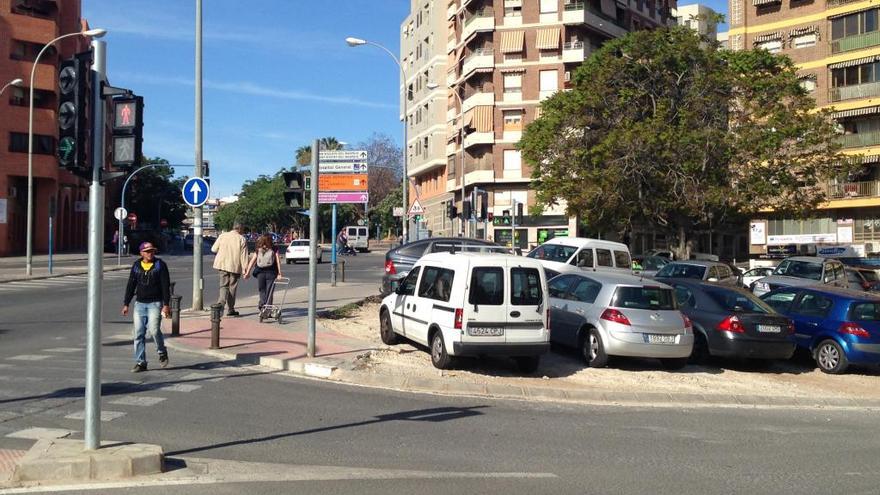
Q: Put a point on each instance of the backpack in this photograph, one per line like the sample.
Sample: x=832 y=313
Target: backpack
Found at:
x=265 y=258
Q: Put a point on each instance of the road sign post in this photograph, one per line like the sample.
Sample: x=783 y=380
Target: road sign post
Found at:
x=313 y=248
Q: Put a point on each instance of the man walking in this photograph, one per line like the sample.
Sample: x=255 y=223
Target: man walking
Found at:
x=231 y=261
x=150 y=281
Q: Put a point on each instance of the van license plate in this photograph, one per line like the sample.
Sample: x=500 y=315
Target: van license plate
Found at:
x=769 y=328
x=661 y=339
x=485 y=331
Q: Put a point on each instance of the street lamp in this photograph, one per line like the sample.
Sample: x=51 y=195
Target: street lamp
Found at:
x=93 y=33
x=405 y=187
x=433 y=86
x=15 y=82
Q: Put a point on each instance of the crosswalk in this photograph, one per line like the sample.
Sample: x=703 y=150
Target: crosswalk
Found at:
x=67 y=281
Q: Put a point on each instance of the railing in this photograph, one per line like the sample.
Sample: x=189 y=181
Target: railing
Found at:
x=856 y=91
x=479 y=52
x=866 y=189
x=573 y=45
x=860 y=140
x=574 y=6
x=480 y=14
x=837 y=3
x=855 y=42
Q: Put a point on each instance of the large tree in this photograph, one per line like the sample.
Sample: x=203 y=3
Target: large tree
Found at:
x=260 y=206
x=660 y=130
x=386 y=166
x=153 y=194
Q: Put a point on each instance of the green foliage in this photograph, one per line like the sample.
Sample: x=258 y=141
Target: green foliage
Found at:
x=383 y=213
x=153 y=194
x=260 y=206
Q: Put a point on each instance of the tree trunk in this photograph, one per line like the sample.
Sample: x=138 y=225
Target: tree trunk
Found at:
x=683 y=251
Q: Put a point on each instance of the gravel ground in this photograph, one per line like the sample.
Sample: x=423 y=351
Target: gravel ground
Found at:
x=562 y=368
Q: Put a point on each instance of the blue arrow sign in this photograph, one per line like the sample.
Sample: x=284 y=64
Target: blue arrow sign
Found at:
x=195 y=191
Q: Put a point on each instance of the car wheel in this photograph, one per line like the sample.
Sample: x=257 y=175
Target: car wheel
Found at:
x=830 y=357
x=673 y=363
x=439 y=357
x=593 y=350
x=700 y=354
x=386 y=331
x=527 y=364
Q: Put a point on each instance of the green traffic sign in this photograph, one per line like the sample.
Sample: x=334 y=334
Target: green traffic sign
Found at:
x=66 y=149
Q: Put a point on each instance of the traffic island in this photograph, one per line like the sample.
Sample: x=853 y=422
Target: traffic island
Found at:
x=67 y=460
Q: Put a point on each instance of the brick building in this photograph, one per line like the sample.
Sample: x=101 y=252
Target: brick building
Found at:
x=25 y=27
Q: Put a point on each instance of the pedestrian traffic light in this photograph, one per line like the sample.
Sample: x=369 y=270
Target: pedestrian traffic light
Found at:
x=294 y=195
x=519 y=213
x=73 y=110
x=484 y=206
x=466 y=210
x=451 y=210
x=128 y=131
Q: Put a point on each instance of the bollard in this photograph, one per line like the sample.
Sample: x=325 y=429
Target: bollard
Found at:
x=343 y=269
x=175 y=315
x=216 y=312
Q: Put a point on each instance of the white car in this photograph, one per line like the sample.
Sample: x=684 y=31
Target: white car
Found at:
x=754 y=274
x=299 y=251
x=579 y=254
x=471 y=304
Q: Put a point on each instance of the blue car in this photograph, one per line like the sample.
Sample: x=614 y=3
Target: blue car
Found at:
x=838 y=326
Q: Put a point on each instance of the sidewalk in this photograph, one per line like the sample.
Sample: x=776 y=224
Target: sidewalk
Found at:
x=12 y=269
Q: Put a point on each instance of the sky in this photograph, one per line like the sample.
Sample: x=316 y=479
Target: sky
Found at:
x=277 y=74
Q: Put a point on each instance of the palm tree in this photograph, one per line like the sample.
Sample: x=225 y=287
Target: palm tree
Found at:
x=330 y=143
x=304 y=155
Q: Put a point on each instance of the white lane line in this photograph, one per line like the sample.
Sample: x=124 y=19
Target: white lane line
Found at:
x=105 y=415
x=137 y=400
x=29 y=357
x=64 y=349
x=180 y=387
x=41 y=433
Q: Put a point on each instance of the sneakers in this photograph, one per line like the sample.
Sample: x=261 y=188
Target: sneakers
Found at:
x=163 y=360
x=139 y=367
x=233 y=313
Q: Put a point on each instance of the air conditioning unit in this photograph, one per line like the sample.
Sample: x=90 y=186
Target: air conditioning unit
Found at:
x=567 y=76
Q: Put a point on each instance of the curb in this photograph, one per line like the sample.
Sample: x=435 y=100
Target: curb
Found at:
x=66 y=274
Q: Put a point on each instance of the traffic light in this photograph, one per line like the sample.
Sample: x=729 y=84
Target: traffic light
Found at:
x=451 y=210
x=206 y=171
x=484 y=206
x=466 y=209
x=73 y=111
x=128 y=131
x=519 y=213
x=294 y=195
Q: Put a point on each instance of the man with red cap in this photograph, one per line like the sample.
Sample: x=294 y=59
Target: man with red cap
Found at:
x=150 y=281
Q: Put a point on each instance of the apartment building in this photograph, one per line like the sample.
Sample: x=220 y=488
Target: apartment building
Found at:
x=698 y=17
x=836 y=46
x=25 y=27
x=502 y=58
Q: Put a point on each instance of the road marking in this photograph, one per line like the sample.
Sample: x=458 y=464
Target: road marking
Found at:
x=207 y=377
x=29 y=357
x=41 y=433
x=180 y=387
x=137 y=400
x=64 y=349
x=105 y=415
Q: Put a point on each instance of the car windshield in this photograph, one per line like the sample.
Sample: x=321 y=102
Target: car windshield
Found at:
x=738 y=302
x=869 y=275
x=800 y=269
x=647 y=297
x=681 y=270
x=552 y=252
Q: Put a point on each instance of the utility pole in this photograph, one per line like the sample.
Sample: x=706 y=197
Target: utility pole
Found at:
x=198 y=289
x=313 y=247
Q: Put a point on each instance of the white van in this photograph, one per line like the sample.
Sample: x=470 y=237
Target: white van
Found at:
x=358 y=237
x=471 y=304
x=572 y=254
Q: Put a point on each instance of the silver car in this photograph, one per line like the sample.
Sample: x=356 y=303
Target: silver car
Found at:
x=802 y=271
x=607 y=314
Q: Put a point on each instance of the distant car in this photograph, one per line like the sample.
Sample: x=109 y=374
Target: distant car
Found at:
x=750 y=276
x=648 y=266
x=838 y=326
x=400 y=260
x=662 y=253
x=299 y=251
x=800 y=271
x=581 y=254
x=732 y=322
x=861 y=278
x=710 y=271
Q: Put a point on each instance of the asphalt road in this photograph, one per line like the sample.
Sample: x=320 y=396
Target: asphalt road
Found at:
x=264 y=432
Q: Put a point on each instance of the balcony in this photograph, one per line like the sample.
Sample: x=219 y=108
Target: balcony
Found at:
x=482 y=58
x=476 y=99
x=860 y=140
x=476 y=138
x=838 y=3
x=851 y=190
x=856 y=42
x=574 y=51
x=451 y=77
x=583 y=13
x=481 y=20
x=855 y=92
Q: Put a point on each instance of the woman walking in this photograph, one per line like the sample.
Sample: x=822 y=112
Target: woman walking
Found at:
x=266 y=266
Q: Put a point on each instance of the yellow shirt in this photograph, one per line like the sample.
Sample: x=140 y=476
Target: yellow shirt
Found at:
x=146 y=266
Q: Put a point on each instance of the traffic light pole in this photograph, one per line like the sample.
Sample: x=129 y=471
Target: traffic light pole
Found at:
x=198 y=289
x=513 y=223
x=313 y=248
x=96 y=256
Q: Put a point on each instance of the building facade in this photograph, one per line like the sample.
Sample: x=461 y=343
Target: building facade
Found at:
x=502 y=58
x=25 y=27
x=698 y=17
x=836 y=46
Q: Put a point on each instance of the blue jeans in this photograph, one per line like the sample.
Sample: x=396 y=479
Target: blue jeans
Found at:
x=147 y=319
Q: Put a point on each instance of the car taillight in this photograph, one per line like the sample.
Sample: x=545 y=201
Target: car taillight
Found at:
x=688 y=324
x=389 y=267
x=790 y=327
x=459 y=316
x=731 y=324
x=853 y=329
x=616 y=316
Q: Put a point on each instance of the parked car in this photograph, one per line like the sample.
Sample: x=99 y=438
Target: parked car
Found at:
x=358 y=237
x=861 y=278
x=610 y=314
x=298 y=250
x=840 y=327
x=732 y=322
x=470 y=304
x=800 y=271
x=577 y=254
x=750 y=276
x=662 y=253
x=711 y=271
x=399 y=260
x=648 y=266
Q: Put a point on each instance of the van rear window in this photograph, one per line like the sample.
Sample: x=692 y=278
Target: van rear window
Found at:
x=621 y=259
x=643 y=298
x=487 y=286
x=525 y=287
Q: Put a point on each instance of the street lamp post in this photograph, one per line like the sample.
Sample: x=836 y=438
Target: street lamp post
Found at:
x=15 y=82
x=93 y=33
x=405 y=187
x=461 y=229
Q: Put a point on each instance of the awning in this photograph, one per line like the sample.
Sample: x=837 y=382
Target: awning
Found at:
x=483 y=121
x=757 y=3
x=851 y=63
x=512 y=41
x=548 y=39
x=851 y=12
x=469 y=118
x=768 y=37
x=804 y=30
x=855 y=112
x=513 y=70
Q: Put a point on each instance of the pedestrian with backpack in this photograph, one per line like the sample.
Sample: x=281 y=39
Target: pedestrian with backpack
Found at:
x=266 y=266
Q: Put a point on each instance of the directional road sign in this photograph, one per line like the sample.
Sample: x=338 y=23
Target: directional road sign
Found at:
x=195 y=191
x=342 y=156
x=347 y=167
x=342 y=197
x=343 y=182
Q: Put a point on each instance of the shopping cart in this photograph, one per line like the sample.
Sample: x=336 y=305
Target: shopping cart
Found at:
x=273 y=311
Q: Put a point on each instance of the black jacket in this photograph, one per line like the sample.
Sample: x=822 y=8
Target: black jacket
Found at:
x=151 y=286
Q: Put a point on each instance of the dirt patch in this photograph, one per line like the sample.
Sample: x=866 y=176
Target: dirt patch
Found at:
x=563 y=368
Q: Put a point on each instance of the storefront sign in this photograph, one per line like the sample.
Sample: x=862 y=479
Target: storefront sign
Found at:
x=803 y=239
x=758 y=233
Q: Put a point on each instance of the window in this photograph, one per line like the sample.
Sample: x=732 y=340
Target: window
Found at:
x=512 y=120
x=558 y=286
x=584 y=258
x=800 y=269
x=549 y=82
x=35 y=8
x=713 y=273
x=812 y=304
x=513 y=11
x=513 y=83
x=603 y=257
x=512 y=160
x=436 y=283
x=809 y=84
x=780 y=301
x=446 y=247
x=737 y=302
x=43 y=145
x=839 y=272
x=854 y=24
x=27 y=51
x=553 y=252
x=653 y=298
x=549 y=6
x=586 y=291
x=804 y=40
x=682 y=270
x=487 y=286
x=622 y=260
x=416 y=249
x=684 y=297
x=772 y=46
x=525 y=287
x=865 y=311
x=408 y=287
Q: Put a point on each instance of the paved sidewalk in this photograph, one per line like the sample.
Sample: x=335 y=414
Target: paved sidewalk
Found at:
x=12 y=269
